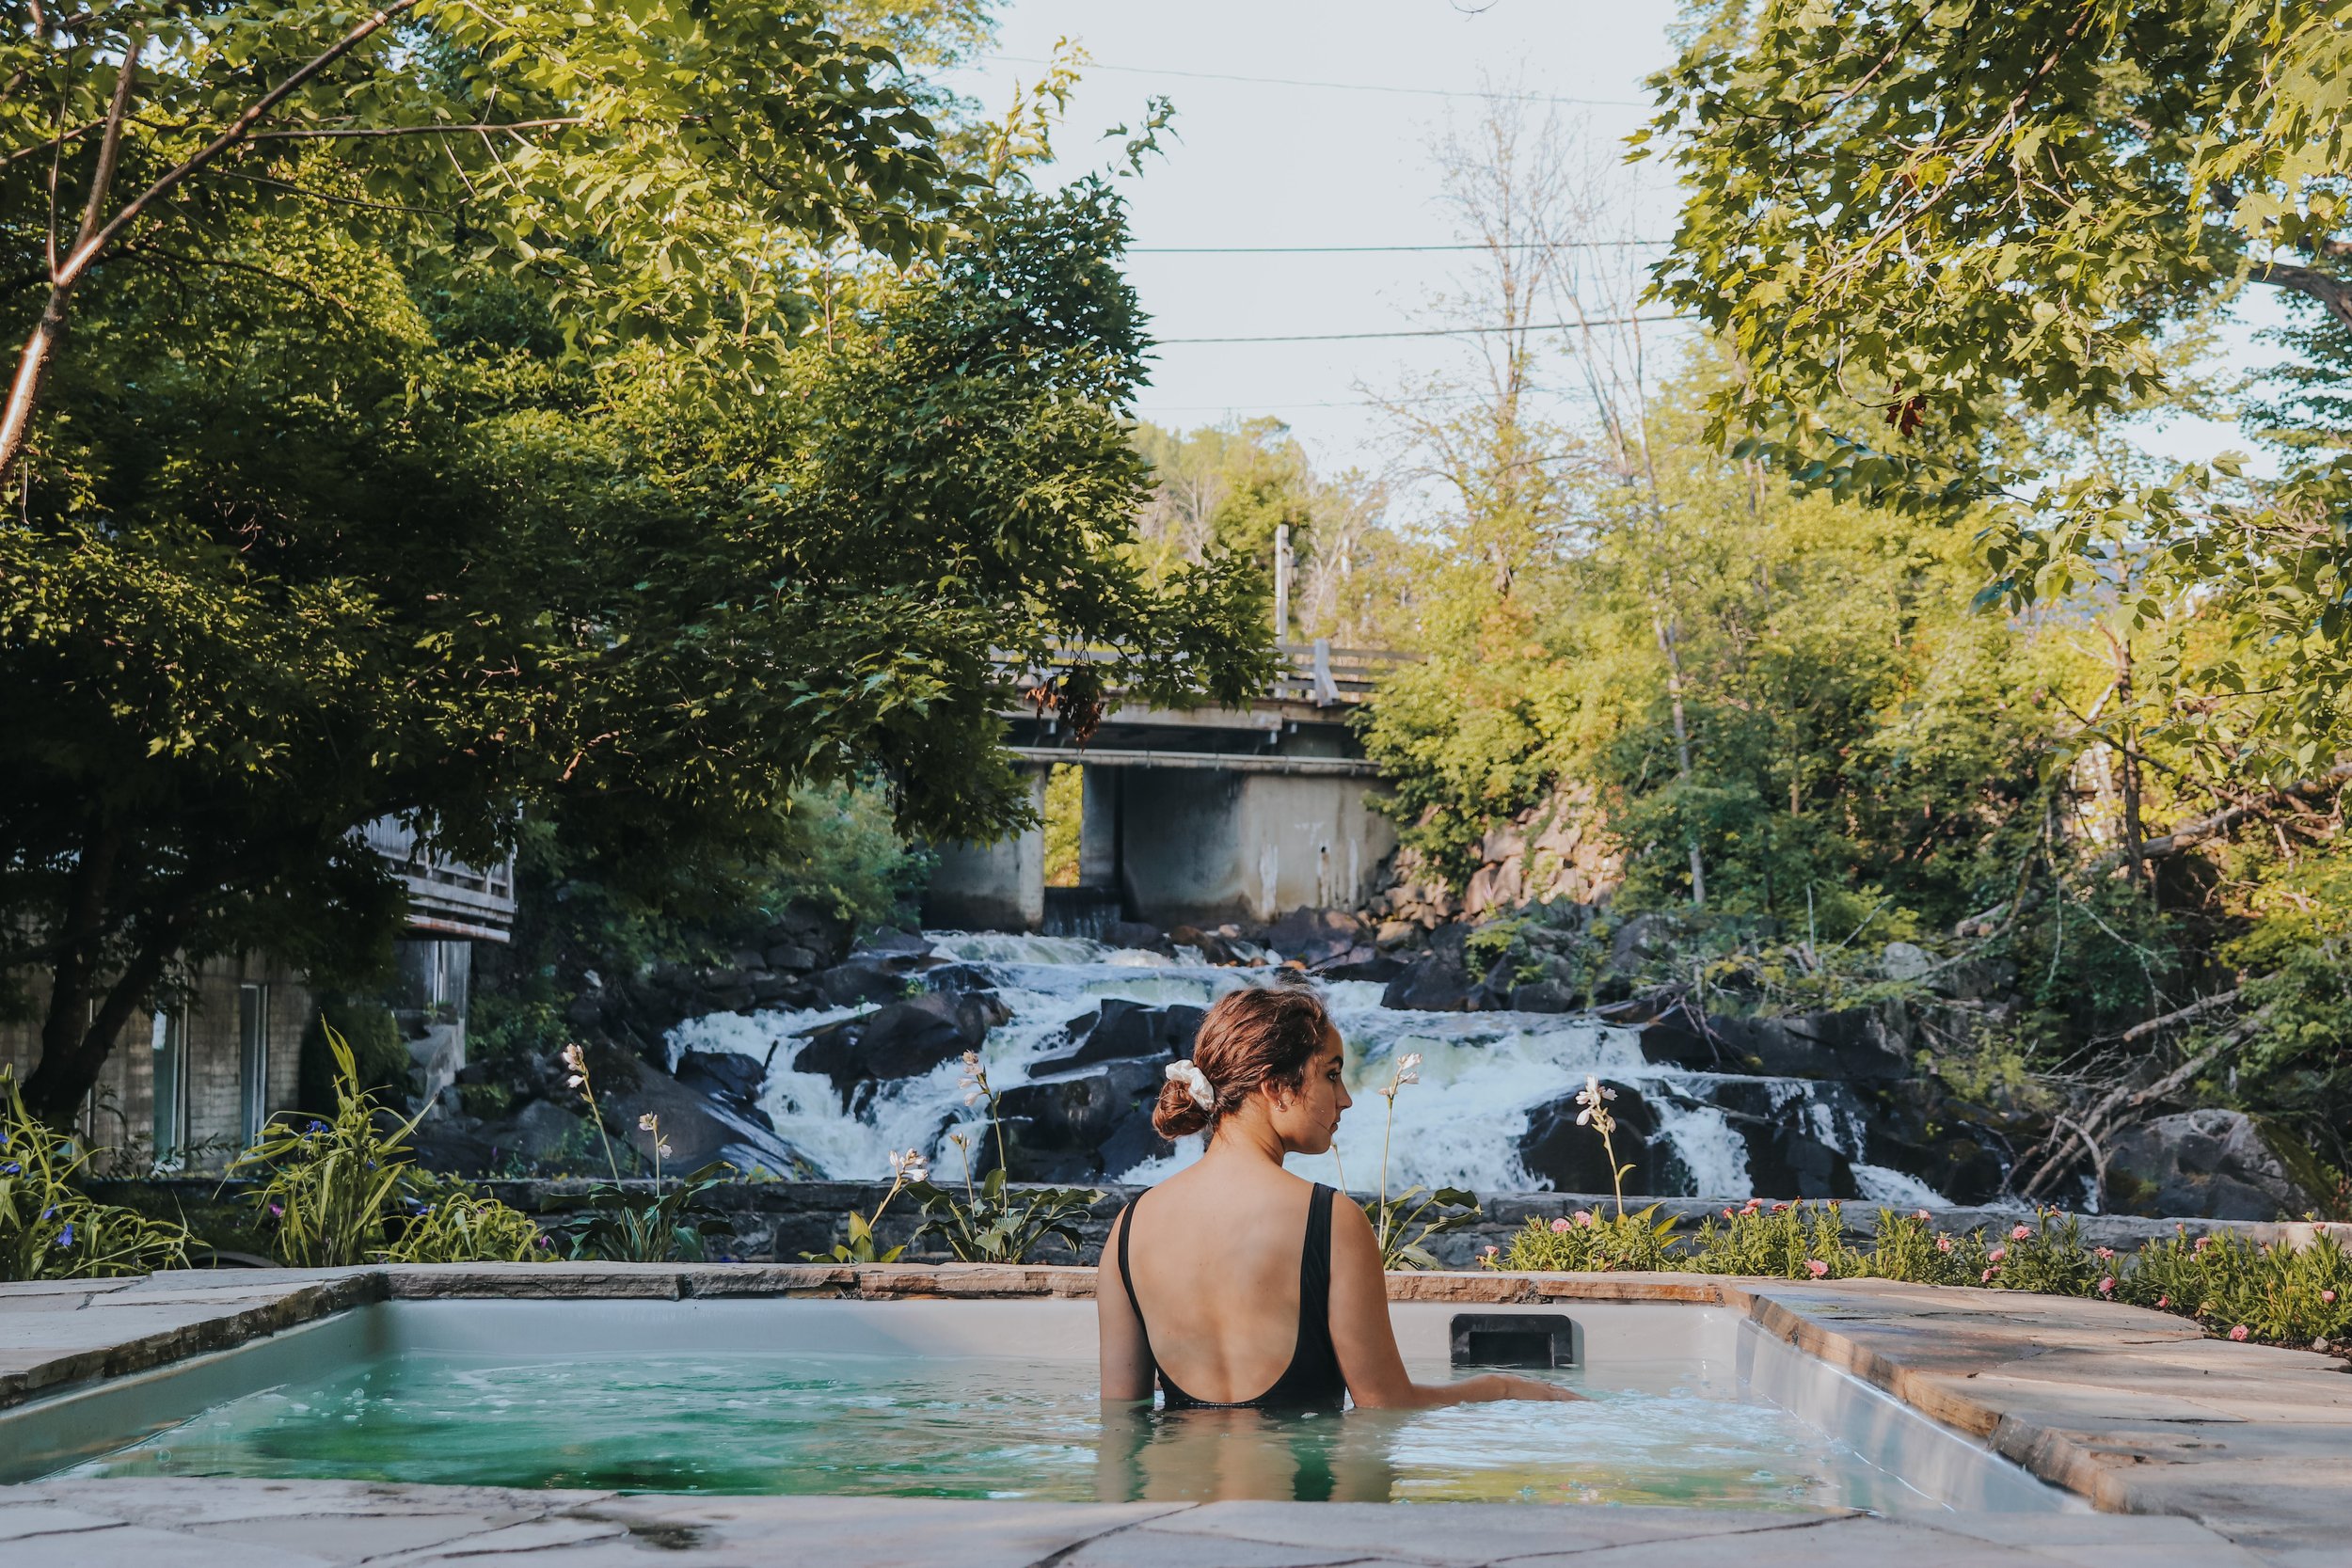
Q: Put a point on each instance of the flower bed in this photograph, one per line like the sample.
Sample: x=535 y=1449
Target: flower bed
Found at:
x=2232 y=1285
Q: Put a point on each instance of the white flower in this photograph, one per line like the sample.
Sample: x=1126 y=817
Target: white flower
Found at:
x=662 y=1150
x=1584 y=1115
x=971 y=1061
x=973 y=1098
x=649 y=1123
x=573 y=1059
x=910 y=1166
x=573 y=1082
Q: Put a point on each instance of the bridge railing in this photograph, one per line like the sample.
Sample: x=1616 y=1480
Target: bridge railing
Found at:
x=1313 y=672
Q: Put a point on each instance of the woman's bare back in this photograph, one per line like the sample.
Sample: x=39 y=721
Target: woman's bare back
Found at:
x=1215 y=1253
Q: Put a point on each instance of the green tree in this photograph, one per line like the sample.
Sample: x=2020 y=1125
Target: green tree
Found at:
x=1929 y=229
x=347 y=540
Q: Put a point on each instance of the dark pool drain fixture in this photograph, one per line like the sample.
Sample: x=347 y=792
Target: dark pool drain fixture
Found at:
x=1513 y=1339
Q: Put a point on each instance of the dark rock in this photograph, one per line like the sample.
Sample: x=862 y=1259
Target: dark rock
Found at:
x=1130 y=1029
x=723 y=1074
x=1137 y=934
x=1131 y=1143
x=747 y=958
x=888 y=943
x=1641 y=941
x=1316 y=936
x=1785 y=1162
x=791 y=955
x=1545 y=997
x=1572 y=1159
x=1439 y=980
x=582 y=1012
x=1845 y=1045
x=1051 y=1118
x=902 y=1039
x=698 y=1128
x=862 y=979
x=2202 y=1165
x=1363 y=963
x=1213 y=947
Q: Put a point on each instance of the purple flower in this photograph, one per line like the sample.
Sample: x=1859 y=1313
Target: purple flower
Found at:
x=11 y=1168
x=278 y=1211
x=51 y=1210
x=315 y=1127
x=65 y=1238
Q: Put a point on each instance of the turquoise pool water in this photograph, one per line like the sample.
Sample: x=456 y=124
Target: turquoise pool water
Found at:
x=798 y=1421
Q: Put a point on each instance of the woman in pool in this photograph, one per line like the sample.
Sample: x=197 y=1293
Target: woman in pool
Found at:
x=1206 y=1284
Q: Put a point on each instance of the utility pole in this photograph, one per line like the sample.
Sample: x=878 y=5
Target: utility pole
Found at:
x=1281 y=583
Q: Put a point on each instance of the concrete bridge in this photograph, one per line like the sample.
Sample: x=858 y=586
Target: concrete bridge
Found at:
x=1194 y=817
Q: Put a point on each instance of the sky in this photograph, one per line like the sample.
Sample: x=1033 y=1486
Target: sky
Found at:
x=1328 y=145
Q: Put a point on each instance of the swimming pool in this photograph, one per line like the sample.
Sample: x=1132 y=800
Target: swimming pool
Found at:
x=1691 y=1405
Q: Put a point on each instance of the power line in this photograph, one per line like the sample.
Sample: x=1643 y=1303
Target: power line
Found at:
x=1429 y=331
x=1334 y=86
x=1366 y=249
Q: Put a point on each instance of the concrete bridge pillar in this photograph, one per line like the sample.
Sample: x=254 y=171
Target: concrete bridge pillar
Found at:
x=1201 y=846
x=993 y=887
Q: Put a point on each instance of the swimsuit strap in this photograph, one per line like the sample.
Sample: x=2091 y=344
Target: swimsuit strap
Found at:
x=1127 y=1277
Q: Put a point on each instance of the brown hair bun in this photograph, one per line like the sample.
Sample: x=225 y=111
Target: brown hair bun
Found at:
x=1257 y=1035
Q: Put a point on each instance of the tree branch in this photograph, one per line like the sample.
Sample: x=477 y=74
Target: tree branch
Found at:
x=363 y=131
x=2333 y=293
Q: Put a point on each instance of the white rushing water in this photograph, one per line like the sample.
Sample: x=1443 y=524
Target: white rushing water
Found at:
x=1481 y=1076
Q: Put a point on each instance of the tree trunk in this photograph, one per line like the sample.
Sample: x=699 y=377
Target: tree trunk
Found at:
x=1666 y=644
x=2135 y=857
x=64 y=1078
x=73 y=975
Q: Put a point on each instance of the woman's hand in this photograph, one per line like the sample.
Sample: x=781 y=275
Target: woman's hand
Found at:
x=1507 y=1386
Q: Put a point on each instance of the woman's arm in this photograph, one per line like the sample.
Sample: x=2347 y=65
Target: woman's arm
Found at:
x=1126 y=1364
x=1361 y=1332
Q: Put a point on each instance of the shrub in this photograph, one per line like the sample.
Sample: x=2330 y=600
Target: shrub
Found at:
x=1586 y=1242
x=346 y=1191
x=2290 y=1294
x=49 y=1228
x=1786 y=1241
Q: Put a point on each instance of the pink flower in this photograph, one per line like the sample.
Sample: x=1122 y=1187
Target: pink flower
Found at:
x=2163 y=1301
x=2104 y=1251
x=1988 y=1275
x=2238 y=1333
x=1779 y=1208
x=2020 y=1232
x=1726 y=1211
x=1583 y=1217
x=2202 y=1243
x=2327 y=1296
x=1559 y=1228
x=2106 y=1285
x=1815 y=1267
x=1996 y=1255
x=1943 y=1243
x=1921 y=1215
x=1490 y=1254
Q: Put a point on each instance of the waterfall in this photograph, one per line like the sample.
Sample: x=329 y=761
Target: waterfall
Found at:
x=1481 y=1076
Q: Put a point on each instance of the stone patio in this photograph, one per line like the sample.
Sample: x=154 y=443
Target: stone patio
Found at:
x=2193 y=1449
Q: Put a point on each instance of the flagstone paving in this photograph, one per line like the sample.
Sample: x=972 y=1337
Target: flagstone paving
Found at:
x=2194 y=1450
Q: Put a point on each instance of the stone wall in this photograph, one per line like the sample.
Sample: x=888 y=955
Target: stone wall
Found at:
x=1556 y=850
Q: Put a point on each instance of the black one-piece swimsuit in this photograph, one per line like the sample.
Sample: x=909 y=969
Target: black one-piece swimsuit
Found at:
x=1312 y=1380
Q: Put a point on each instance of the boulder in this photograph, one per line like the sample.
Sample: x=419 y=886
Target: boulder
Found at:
x=1547 y=995
x=1903 y=961
x=1640 y=941
x=1363 y=963
x=860 y=981
x=1785 y=1162
x=1569 y=1158
x=1440 y=981
x=902 y=1040
x=2202 y=1165
x=1845 y=1045
x=791 y=955
x=1140 y=935
x=1133 y=1142
x=723 y=1074
x=1057 y=1125
x=1123 y=1029
x=1316 y=936
x=890 y=943
x=698 y=1128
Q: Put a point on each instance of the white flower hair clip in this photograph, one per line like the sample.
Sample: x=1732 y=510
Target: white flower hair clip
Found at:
x=1196 y=1082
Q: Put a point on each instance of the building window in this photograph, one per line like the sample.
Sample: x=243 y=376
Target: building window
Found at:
x=170 y=1042
x=252 y=1062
